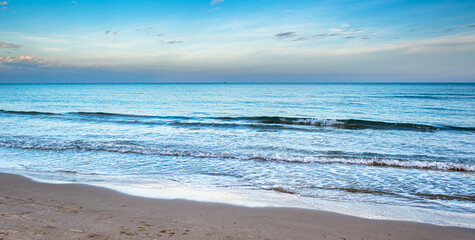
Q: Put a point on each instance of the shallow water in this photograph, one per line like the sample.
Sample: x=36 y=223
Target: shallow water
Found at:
x=397 y=151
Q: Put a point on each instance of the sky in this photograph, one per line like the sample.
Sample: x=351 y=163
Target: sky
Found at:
x=237 y=41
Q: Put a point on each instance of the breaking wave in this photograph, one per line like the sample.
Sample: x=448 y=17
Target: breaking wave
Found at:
x=350 y=124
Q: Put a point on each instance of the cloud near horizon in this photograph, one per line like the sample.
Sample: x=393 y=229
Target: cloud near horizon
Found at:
x=30 y=62
x=9 y=45
x=24 y=61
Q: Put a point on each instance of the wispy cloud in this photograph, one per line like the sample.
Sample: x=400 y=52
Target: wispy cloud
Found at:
x=344 y=33
x=108 y=32
x=290 y=37
x=358 y=37
x=325 y=35
x=9 y=45
x=347 y=31
x=173 y=42
x=285 y=35
x=300 y=39
x=443 y=28
x=450 y=29
x=4 y=3
x=214 y=2
x=74 y=2
x=214 y=9
x=334 y=32
x=144 y=29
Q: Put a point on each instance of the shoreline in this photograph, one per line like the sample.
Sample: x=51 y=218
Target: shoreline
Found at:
x=267 y=199
x=30 y=209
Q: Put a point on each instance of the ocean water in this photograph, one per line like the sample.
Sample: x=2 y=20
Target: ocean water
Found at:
x=385 y=151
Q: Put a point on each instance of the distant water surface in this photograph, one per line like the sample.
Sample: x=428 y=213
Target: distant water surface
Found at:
x=396 y=151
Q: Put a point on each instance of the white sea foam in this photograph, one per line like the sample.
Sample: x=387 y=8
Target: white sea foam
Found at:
x=123 y=147
x=317 y=122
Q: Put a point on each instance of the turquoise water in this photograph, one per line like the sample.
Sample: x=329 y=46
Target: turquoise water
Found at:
x=392 y=151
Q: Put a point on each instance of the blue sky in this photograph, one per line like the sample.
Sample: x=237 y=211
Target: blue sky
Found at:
x=237 y=41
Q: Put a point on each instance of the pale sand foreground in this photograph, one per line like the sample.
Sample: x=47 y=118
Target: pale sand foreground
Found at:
x=31 y=210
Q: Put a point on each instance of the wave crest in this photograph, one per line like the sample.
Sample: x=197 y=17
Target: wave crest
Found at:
x=127 y=147
x=350 y=124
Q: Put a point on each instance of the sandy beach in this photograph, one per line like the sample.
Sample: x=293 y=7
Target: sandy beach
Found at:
x=32 y=210
x=223 y=119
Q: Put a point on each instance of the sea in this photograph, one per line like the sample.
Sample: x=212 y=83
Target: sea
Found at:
x=379 y=151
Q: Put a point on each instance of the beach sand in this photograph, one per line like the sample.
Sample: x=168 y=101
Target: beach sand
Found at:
x=32 y=210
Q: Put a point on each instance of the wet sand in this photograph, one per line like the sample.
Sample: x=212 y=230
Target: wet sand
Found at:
x=32 y=210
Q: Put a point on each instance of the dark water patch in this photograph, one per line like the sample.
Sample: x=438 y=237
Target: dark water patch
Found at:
x=289 y=121
x=351 y=124
x=355 y=124
x=355 y=190
x=106 y=114
x=447 y=94
x=258 y=127
x=382 y=192
x=280 y=189
x=71 y=172
x=366 y=191
x=27 y=113
x=446 y=197
x=120 y=115
x=67 y=171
